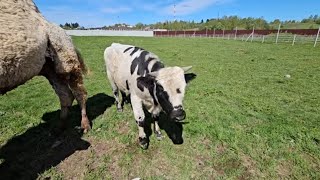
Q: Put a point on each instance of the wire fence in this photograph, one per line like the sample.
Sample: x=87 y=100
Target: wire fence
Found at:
x=288 y=36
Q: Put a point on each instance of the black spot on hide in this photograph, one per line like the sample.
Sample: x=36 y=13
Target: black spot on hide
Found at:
x=142 y=62
x=158 y=65
x=127 y=49
x=141 y=123
x=147 y=82
x=127 y=85
x=163 y=99
x=135 y=50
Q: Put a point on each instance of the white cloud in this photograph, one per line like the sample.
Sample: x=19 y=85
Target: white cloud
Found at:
x=116 y=10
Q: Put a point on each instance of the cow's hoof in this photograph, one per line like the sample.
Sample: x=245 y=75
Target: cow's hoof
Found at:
x=158 y=135
x=143 y=142
x=86 y=128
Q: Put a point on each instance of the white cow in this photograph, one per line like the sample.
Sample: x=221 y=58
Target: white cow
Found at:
x=140 y=74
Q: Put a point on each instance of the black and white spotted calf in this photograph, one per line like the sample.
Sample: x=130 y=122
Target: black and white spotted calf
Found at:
x=136 y=72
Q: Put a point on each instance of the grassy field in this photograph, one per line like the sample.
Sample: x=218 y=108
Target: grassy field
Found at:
x=245 y=119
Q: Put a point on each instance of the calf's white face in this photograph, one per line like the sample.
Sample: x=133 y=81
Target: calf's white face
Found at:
x=169 y=90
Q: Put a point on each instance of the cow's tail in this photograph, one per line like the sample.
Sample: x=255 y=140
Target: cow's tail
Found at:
x=83 y=66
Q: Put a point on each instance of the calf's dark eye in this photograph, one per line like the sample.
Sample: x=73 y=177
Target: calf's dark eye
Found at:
x=178 y=91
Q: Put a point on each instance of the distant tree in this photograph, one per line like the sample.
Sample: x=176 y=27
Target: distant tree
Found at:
x=232 y=22
x=276 y=21
x=310 y=17
x=67 y=26
x=139 y=25
x=218 y=26
x=75 y=25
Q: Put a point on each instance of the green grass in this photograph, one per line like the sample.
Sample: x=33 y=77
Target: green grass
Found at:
x=245 y=119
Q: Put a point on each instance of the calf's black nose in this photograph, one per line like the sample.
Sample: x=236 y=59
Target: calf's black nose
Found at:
x=178 y=114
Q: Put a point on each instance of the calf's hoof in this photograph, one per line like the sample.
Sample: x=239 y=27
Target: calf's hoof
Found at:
x=158 y=135
x=144 y=143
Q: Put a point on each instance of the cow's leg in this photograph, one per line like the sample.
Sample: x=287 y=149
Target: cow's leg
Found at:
x=124 y=98
x=80 y=93
x=61 y=88
x=115 y=91
x=157 y=131
x=116 y=96
x=140 y=120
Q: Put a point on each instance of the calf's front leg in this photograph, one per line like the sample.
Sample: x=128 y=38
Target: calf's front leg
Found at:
x=140 y=120
x=157 y=131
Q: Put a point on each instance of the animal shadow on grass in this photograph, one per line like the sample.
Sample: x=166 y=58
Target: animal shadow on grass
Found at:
x=39 y=148
x=173 y=129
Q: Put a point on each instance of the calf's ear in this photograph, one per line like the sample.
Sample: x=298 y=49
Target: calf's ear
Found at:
x=189 y=76
x=186 y=69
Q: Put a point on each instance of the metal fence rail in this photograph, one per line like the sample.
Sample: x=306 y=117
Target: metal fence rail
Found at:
x=289 y=36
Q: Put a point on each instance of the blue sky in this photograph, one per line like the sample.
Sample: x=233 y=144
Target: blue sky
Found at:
x=97 y=13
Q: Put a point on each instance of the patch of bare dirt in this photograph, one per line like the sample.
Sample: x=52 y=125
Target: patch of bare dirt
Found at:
x=207 y=143
x=204 y=167
x=312 y=160
x=284 y=169
x=123 y=127
x=221 y=168
x=251 y=169
x=82 y=162
x=221 y=148
x=151 y=163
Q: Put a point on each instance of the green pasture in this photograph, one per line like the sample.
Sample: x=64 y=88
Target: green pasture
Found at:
x=253 y=112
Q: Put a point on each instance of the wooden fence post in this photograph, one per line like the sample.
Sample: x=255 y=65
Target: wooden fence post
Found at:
x=252 y=34
x=278 y=33
x=294 y=39
x=315 y=42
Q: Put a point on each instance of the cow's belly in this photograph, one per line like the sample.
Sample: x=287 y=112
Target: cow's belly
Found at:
x=123 y=81
x=20 y=62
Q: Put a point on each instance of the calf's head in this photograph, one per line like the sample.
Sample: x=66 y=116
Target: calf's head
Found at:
x=168 y=89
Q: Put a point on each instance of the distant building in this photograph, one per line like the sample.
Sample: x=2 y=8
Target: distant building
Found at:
x=160 y=30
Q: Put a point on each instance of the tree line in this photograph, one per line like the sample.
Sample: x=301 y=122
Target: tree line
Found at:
x=225 y=22
x=70 y=25
x=232 y=22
